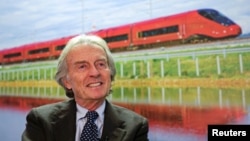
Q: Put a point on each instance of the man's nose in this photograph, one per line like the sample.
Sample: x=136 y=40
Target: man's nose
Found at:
x=93 y=71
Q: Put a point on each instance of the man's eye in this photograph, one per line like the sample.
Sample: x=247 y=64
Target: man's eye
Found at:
x=82 y=66
x=101 y=64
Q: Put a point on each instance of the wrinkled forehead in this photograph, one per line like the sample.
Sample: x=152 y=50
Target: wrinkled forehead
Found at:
x=86 y=49
x=88 y=44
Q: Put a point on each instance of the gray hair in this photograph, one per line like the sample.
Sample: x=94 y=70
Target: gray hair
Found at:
x=94 y=40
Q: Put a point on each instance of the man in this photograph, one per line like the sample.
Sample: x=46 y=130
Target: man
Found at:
x=85 y=70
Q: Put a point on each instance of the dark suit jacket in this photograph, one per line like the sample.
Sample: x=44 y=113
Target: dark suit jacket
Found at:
x=57 y=122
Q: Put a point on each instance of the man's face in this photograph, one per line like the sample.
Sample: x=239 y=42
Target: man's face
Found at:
x=88 y=73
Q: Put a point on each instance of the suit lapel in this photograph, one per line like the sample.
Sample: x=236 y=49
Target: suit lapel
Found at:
x=64 y=122
x=112 y=129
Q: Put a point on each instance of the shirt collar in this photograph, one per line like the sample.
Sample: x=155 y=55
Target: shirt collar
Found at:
x=81 y=112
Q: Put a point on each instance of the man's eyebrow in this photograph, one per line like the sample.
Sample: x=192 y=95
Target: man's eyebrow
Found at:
x=84 y=61
x=101 y=59
x=80 y=62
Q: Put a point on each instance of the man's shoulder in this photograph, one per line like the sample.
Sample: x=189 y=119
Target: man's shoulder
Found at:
x=53 y=108
x=125 y=112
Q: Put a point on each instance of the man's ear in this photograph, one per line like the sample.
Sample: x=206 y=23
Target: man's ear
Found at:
x=66 y=83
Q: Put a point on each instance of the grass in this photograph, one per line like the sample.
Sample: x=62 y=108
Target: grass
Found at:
x=185 y=67
x=170 y=68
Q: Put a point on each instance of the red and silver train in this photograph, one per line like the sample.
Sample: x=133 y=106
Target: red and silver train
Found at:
x=189 y=27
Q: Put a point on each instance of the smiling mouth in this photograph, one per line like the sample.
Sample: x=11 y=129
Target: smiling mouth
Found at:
x=95 y=84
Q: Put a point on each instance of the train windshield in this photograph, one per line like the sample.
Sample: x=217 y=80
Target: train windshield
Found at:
x=216 y=16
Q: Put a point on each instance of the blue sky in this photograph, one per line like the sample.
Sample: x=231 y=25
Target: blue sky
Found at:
x=28 y=21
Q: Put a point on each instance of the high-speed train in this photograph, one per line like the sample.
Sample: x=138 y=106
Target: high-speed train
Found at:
x=194 y=26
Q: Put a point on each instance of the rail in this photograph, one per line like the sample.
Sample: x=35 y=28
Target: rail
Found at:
x=167 y=55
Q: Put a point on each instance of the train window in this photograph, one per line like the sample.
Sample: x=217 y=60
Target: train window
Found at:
x=216 y=16
x=159 y=31
x=12 y=55
x=36 y=51
x=116 y=38
x=60 y=47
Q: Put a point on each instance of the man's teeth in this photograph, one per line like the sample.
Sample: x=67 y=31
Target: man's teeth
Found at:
x=95 y=84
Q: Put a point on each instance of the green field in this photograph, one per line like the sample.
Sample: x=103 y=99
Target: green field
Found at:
x=232 y=65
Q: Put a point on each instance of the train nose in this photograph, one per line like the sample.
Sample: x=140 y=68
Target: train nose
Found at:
x=236 y=29
x=239 y=31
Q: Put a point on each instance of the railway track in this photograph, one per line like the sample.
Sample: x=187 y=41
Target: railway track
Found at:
x=185 y=47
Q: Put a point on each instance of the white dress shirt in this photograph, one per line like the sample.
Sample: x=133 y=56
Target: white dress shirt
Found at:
x=80 y=120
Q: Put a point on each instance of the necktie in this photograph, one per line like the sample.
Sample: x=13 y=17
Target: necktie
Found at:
x=90 y=130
